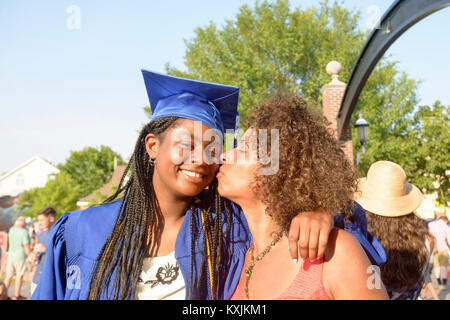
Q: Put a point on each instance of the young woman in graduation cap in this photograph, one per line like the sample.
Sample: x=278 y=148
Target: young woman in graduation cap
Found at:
x=162 y=239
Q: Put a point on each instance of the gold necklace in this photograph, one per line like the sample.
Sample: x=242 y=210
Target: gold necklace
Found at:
x=248 y=271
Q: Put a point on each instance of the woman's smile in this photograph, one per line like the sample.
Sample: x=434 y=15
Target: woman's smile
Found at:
x=194 y=175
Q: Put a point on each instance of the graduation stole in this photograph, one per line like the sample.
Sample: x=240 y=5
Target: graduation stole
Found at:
x=208 y=251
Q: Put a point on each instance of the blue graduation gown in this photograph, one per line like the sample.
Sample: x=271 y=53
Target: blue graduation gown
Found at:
x=78 y=236
x=358 y=228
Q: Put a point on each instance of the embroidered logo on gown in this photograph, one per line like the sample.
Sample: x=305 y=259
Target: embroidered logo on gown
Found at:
x=165 y=275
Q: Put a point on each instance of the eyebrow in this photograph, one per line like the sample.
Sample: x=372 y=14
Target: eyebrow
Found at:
x=194 y=138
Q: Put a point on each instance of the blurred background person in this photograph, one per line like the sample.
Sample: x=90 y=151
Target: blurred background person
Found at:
x=18 y=253
x=2 y=242
x=37 y=228
x=33 y=241
x=390 y=201
x=3 y=292
x=31 y=232
x=441 y=232
x=428 y=285
x=46 y=219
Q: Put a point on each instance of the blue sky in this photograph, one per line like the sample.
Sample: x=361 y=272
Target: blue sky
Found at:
x=63 y=89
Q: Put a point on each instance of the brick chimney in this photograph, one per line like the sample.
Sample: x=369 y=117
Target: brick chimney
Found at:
x=332 y=94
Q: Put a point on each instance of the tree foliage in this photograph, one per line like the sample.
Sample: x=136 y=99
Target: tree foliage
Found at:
x=272 y=48
x=59 y=192
x=82 y=173
x=432 y=153
x=90 y=168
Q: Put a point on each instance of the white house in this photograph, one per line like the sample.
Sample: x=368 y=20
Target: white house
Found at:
x=33 y=173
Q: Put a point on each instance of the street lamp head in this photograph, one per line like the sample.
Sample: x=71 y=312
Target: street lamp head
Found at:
x=362 y=129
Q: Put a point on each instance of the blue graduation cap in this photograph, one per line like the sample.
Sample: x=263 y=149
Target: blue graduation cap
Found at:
x=213 y=104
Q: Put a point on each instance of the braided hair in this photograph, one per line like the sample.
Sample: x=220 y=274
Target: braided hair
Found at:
x=132 y=234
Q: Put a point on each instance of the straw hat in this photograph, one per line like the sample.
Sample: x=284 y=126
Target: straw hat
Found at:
x=386 y=192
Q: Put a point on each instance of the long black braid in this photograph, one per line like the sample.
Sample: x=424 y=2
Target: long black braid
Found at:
x=123 y=252
x=213 y=234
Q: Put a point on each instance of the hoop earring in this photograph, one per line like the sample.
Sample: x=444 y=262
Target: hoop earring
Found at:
x=152 y=162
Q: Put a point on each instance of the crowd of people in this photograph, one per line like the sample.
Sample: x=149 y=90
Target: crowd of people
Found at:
x=189 y=221
x=27 y=245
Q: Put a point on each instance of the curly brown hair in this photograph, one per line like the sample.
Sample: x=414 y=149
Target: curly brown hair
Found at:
x=313 y=170
x=403 y=239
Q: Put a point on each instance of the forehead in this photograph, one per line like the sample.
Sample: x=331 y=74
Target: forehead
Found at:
x=193 y=129
x=191 y=125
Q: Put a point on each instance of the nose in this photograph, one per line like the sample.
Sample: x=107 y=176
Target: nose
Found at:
x=200 y=159
x=196 y=156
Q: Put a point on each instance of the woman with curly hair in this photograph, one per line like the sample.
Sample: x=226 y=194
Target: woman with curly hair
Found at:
x=310 y=172
x=390 y=201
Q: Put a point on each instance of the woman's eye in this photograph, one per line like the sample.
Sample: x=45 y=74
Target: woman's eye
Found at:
x=185 y=144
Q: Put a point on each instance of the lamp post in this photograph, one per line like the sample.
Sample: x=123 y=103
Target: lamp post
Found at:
x=362 y=129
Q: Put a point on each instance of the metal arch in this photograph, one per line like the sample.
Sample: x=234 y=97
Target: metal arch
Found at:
x=401 y=16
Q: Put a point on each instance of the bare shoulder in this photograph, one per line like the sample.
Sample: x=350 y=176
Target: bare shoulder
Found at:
x=343 y=245
x=346 y=269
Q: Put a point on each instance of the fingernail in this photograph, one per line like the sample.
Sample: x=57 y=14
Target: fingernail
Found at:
x=294 y=260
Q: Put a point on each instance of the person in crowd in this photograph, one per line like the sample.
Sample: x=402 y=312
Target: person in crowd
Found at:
x=46 y=219
x=441 y=232
x=390 y=201
x=18 y=254
x=428 y=283
x=312 y=172
x=170 y=236
x=33 y=240
x=3 y=241
x=3 y=292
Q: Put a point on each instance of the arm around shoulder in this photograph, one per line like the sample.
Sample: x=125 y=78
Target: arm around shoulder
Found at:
x=347 y=272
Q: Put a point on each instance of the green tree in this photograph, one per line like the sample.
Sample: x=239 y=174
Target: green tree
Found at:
x=388 y=102
x=59 y=192
x=273 y=48
x=82 y=173
x=433 y=145
x=90 y=168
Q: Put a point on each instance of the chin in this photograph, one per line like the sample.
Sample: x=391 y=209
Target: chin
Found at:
x=189 y=190
x=223 y=191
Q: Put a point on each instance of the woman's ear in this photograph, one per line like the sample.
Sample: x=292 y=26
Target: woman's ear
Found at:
x=152 y=145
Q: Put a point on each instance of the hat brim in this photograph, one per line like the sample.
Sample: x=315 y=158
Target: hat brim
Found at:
x=388 y=206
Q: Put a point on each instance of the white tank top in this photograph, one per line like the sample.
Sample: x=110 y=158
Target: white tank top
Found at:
x=161 y=279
